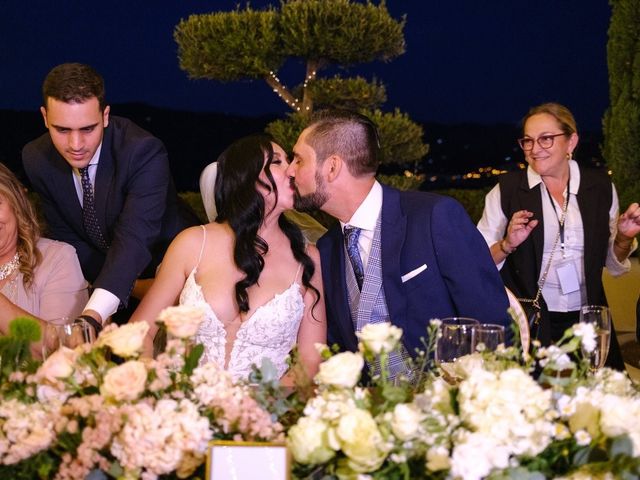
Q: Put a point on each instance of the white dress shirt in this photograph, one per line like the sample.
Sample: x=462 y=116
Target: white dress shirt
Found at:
x=493 y=223
x=365 y=218
x=102 y=301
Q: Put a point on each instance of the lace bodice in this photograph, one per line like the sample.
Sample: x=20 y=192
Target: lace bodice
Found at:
x=270 y=332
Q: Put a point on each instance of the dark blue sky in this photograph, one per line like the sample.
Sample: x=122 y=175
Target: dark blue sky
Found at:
x=466 y=61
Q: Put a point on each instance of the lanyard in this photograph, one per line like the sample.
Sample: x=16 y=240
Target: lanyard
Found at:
x=563 y=217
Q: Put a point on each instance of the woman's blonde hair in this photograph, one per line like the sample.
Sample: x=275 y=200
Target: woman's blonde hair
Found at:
x=14 y=193
x=561 y=113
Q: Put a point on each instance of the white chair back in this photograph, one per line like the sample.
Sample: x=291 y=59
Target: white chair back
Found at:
x=523 y=321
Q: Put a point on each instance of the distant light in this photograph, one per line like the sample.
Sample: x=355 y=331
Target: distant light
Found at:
x=440 y=141
x=507 y=158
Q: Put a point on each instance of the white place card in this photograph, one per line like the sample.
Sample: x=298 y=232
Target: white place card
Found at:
x=228 y=460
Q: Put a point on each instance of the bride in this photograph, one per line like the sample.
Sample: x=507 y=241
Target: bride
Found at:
x=250 y=270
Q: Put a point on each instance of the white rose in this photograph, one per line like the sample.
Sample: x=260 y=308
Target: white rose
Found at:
x=125 y=341
x=380 y=337
x=308 y=441
x=125 y=382
x=361 y=441
x=182 y=321
x=341 y=370
x=59 y=365
x=621 y=417
x=405 y=421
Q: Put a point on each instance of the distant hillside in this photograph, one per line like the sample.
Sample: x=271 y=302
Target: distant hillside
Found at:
x=196 y=139
x=193 y=140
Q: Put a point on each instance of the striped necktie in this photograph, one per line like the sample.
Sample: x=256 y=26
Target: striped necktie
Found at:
x=351 y=235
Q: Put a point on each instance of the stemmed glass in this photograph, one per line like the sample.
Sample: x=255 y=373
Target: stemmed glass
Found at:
x=600 y=317
x=490 y=336
x=65 y=332
x=456 y=338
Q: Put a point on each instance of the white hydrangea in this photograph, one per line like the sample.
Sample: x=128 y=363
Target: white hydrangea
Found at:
x=587 y=333
x=330 y=405
x=476 y=454
x=509 y=409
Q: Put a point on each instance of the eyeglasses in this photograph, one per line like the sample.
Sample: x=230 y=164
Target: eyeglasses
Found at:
x=545 y=141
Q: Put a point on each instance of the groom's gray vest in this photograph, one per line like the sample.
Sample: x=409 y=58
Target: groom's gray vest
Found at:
x=370 y=305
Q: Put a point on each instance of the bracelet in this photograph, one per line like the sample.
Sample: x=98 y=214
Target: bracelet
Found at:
x=624 y=246
x=504 y=250
x=91 y=321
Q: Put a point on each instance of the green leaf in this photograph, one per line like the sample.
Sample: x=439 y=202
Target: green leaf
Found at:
x=191 y=362
x=621 y=445
x=581 y=457
x=393 y=394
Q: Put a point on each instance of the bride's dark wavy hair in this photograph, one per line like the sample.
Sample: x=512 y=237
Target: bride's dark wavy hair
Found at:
x=242 y=206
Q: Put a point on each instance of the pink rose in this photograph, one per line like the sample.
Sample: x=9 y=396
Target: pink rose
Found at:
x=125 y=382
x=182 y=321
x=58 y=365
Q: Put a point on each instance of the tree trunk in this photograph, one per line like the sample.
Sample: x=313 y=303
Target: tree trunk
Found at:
x=282 y=91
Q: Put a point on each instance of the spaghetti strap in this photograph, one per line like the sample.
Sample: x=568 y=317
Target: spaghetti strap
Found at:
x=297 y=272
x=300 y=264
x=204 y=240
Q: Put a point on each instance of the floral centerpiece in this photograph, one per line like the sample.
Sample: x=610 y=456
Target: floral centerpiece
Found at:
x=494 y=415
x=143 y=418
x=503 y=417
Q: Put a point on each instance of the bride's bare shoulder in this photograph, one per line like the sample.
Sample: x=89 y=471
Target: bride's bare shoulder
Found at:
x=219 y=232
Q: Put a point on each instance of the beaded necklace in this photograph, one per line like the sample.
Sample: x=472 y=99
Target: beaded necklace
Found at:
x=11 y=266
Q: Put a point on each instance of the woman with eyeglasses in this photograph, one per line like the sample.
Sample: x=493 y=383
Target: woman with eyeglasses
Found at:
x=555 y=225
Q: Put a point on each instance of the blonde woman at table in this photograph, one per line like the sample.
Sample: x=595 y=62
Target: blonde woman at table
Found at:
x=556 y=224
x=250 y=270
x=39 y=278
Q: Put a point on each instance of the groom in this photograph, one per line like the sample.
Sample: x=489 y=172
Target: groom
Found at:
x=403 y=257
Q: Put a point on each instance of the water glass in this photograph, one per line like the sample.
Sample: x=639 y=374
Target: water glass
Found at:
x=600 y=317
x=456 y=338
x=65 y=332
x=490 y=336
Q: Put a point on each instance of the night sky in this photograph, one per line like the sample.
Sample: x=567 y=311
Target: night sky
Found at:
x=467 y=60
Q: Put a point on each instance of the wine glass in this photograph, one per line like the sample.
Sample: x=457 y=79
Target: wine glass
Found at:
x=456 y=338
x=490 y=336
x=65 y=332
x=600 y=317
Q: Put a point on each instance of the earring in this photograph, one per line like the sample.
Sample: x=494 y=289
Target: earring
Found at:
x=569 y=155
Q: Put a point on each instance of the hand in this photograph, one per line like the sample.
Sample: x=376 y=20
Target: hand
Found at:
x=629 y=222
x=519 y=228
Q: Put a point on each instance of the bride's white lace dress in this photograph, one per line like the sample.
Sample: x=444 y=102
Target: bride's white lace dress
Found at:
x=270 y=332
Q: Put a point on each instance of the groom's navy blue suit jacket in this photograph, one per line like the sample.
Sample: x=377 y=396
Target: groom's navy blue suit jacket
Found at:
x=136 y=203
x=419 y=228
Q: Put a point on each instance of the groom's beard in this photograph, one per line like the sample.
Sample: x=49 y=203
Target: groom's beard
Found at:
x=313 y=201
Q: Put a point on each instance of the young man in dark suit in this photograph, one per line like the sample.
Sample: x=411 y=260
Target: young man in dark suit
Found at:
x=105 y=188
x=415 y=255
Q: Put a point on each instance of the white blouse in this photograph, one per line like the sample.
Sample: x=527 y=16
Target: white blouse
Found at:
x=493 y=223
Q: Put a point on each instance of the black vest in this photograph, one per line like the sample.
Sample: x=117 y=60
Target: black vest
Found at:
x=521 y=270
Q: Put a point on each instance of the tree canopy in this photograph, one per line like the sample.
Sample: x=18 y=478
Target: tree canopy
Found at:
x=622 y=119
x=248 y=44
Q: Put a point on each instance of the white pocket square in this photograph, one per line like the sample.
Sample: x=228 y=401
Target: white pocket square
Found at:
x=408 y=276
